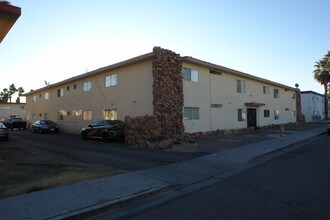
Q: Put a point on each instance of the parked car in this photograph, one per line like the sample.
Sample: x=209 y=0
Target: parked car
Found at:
x=42 y=126
x=105 y=129
x=4 y=132
x=12 y=123
x=328 y=130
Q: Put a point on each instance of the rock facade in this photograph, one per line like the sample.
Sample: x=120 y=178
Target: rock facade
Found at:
x=300 y=115
x=167 y=119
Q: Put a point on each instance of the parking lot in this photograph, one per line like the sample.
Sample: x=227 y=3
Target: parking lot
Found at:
x=31 y=162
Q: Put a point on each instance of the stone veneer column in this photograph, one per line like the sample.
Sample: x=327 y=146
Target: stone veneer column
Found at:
x=300 y=116
x=168 y=91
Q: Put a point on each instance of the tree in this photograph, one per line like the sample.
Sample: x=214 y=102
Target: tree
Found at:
x=322 y=75
x=12 y=90
x=20 y=91
x=7 y=93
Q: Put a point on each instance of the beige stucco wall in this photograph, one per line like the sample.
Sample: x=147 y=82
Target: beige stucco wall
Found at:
x=221 y=89
x=131 y=96
x=12 y=110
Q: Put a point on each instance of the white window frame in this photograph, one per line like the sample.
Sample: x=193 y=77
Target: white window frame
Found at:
x=265 y=90
x=34 y=98
x=46 y=95
x=276 y=114
x=110 y=114
x=87 y=86
x=190 y=75
x=87 y=115
x=111 y=80
x=240 y=86
x=241 y=114
x=60 y=92
x=191 y=113
x=276 y=93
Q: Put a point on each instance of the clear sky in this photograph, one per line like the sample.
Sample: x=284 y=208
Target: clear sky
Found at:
x=279 y=40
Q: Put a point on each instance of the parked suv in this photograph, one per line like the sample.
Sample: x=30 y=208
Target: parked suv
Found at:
x=12 y=123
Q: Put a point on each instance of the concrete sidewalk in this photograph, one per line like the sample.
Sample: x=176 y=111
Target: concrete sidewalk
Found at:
x=115 y=191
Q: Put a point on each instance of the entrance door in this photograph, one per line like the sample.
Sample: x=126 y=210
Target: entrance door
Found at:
x=251 y=117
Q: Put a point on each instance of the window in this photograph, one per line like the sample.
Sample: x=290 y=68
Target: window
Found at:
x=276 y=94
x=77 y=112
x=74 y=86
x=111 y=80
x=266 y=90
x=34 y=116
x=60 y=92
x=216 y=105
x=294 y=95
x=87 y=115
x=61 y=114
x=46 y=95
x=191 y=113
x=266 y=113
x=87 y=86
x=276 y=114
x=110 y=114
x=241 y=114
x=34 y=98
x=240 y=86
x=190 y=75
x=215 y=72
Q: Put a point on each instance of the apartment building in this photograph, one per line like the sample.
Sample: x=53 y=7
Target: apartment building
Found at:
x=8 y=110
x=312 y=106
x=198 y=95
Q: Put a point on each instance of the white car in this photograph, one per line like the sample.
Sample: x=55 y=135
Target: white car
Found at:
x=4 y=132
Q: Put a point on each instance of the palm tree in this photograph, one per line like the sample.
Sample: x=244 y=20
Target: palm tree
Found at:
x=12 y=90
x=20 y=91
x=322 y=75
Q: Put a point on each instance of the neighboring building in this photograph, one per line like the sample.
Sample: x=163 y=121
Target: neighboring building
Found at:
x=8 y=110
x=8 y=16
x=312 y=106
x=182 y=92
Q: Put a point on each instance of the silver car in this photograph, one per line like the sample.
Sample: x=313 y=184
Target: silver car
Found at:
x=4 y=132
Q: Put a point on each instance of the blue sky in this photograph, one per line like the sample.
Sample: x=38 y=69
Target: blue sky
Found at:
x=279 y=40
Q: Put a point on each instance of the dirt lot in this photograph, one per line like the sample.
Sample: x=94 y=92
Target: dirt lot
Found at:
x=28 y=169
x=32 y=162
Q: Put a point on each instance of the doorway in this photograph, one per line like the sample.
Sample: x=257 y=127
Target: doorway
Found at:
x=252 y=117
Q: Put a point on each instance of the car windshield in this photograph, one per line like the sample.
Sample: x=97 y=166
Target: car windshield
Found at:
x=115 y=122
x=47 y=122
x=17 y=119
x=1 y=125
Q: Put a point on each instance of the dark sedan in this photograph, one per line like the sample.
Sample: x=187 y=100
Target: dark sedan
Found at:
x=42 y=126
x=4 y=133
x=105 y=130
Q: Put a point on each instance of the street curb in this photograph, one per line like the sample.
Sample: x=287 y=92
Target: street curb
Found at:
x=287 y=146
x=114 y=204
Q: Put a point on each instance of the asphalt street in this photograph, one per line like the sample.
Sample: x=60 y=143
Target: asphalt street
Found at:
x=292 y=186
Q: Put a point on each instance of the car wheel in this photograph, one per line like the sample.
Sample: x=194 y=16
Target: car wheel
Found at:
x=105 y=137
x=84 y=136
